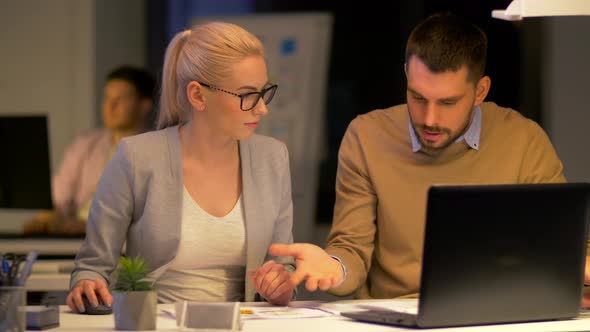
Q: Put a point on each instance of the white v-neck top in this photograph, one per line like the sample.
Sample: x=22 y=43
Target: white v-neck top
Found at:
x=211 y=260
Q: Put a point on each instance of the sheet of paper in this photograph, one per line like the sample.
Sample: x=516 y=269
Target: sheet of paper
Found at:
x=401 y=305
x=409 y=306
x=264 y=312
x=281 y=313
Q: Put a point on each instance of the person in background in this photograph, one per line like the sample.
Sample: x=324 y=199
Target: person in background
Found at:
x=445 y=134
x=202 y=198
x=126 y=106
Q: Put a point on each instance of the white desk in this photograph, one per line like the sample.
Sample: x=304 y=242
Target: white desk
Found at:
x=76 y=322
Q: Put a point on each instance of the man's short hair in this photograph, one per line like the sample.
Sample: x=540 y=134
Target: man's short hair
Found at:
x=446 y=42
x=140 y=78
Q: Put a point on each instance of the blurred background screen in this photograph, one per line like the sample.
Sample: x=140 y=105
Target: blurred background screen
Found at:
x=25 y=181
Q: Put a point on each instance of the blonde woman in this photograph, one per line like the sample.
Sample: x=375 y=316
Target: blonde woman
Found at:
x=202 y=198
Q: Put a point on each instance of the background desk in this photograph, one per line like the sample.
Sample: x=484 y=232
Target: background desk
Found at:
x=75 y=322
x=48 y=282
x=62 y=247
x=48 y=274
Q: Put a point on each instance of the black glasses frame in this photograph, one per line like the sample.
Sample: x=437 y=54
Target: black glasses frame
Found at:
x=272 y=88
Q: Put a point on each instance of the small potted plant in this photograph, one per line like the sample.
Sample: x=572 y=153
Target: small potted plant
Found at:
x=134 y=298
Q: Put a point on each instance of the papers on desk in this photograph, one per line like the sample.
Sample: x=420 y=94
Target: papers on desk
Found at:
x=282 y=313
x=409 y=306
x=316 y=309
x=270 y=312
x=400 y=305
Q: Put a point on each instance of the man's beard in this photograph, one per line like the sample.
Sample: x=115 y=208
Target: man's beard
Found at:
x=451 y=137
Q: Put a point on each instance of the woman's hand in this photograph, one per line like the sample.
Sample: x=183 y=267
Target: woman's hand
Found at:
x=271 y=281
x=91 y=289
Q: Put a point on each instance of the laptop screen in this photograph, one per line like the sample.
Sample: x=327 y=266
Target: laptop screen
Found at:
x=498 y=254
x=503 y=253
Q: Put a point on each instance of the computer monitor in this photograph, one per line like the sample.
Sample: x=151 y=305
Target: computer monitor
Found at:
x=25 y=173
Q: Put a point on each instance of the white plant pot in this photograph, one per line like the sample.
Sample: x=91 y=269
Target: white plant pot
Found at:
x=135 y=310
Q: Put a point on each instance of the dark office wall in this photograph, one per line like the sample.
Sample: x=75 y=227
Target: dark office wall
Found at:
x=367 y=57
x=366 y=67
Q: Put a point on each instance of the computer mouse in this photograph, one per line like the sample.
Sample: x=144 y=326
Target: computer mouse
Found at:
x=100 y=309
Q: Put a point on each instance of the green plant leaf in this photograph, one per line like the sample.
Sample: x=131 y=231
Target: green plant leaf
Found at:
x=132 y=273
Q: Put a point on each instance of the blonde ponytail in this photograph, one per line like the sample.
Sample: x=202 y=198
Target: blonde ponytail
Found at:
x=205 y=54
x=169 y=107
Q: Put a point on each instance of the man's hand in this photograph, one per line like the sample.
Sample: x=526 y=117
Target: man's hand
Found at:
x=271 y=281
x=52 y=222
x=92 y=289
x=68 y=227
x=40 y=223
x=313 y=264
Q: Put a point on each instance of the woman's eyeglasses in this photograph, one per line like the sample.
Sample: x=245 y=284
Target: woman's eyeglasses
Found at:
x=249 y=100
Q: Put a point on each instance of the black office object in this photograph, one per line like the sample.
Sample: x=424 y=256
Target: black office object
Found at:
x=25 y=172
x=100 y=309
x=499 y=254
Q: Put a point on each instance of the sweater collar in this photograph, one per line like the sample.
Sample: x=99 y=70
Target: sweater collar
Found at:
x=470 y=137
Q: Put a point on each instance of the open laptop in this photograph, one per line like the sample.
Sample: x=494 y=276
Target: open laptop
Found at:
x=499 y=254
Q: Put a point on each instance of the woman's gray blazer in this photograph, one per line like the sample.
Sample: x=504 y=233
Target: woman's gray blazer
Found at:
x=138 y=202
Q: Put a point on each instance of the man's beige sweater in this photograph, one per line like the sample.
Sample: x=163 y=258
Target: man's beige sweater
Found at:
x=381 y=189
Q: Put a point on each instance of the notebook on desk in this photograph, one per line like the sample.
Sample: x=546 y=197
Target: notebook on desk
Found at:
x=498 y=254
